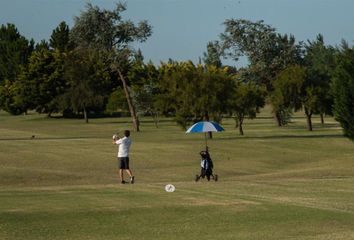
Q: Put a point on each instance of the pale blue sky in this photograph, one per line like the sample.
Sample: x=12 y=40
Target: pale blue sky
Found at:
x=182 y=28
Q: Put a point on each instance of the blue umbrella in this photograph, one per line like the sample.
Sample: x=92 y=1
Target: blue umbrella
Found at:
x=205 y=126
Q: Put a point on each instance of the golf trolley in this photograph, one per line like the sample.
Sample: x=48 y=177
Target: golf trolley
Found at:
x=206 y=163
x=206 y=167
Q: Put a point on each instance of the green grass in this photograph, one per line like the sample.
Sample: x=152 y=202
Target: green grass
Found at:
x=275 y=183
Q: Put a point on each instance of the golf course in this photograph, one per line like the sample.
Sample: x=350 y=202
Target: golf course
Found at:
x=59 y=180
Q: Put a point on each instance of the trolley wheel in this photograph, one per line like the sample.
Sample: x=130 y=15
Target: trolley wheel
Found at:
x=197 y=178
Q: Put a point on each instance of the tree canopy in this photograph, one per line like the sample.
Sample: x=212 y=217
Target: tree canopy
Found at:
x=107 y=31
x=91 y=67
x=343 y=89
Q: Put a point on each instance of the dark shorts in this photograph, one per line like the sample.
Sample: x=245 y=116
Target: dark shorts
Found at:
x=206 y=172
x=123 y=162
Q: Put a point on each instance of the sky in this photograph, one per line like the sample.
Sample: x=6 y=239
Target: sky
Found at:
x=182 y=28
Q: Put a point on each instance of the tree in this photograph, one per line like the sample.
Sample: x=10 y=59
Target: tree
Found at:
x=145 y=88
x=117 y=101
x=307 y=87
x=177 y=91
x=42 y=45
x=343 y=89
x=215 y=90
x=294 y=89
x=246 y=102
x=9 y=103
x=107 y=32
x=287 y=91
x=60 y=39
x=41 y=82
x=14 y=52
x=88 y=81
x=319 y=61
x=193 y=93
x=212 y=56
x=268 y=52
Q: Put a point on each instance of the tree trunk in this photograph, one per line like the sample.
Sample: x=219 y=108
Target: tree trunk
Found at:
x=85 y=115
x=130 y=103
x=309 y=121
x=240 y=122
x=322 y=118
x=237 y=123
x=155 y=117
x=277 y=118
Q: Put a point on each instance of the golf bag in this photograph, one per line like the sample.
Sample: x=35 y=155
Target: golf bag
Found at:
x=206 y=167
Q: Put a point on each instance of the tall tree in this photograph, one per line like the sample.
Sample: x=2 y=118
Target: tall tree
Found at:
x=41 y=82
x=107 y=31
x=60 y=37
x=14 y=53
x=145 y=89
x=246 y=102
x=343 y=89
x=194 y=93
x=293 y=88
x=319 y=61
x=88 y=81
x=288 y=86
x=267 y=51
x=212 y=56
x=42 y=45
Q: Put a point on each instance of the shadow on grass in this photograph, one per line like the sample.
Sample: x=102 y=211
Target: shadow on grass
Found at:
x=313 y=136
x=125 y=121
x=46 y=138
x=326 y=126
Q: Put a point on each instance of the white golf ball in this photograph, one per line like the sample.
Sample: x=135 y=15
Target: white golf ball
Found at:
x=170 y=188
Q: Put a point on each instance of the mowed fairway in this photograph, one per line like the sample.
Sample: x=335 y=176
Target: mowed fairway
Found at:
x=274 y=183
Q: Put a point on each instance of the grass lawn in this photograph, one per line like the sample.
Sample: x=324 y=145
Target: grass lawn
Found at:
x=274 y=183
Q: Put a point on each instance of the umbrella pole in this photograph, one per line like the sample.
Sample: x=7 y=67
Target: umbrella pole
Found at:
x=206 y=141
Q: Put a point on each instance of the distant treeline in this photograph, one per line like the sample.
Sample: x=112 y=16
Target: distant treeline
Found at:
x=92 y=69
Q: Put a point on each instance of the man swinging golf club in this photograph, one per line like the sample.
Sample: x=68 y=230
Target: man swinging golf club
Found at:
x=123 y=155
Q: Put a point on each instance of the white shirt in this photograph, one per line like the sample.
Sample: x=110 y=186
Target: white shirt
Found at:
x=123 y=146
x=204 y=163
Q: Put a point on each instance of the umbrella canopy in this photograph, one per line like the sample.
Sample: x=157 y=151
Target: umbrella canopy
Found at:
x=205 y=126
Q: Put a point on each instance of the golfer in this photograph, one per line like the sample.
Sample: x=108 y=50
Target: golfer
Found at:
x=123 y=155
